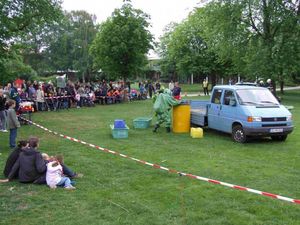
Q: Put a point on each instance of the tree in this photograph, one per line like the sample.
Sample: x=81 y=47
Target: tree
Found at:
x=184 y=50
x=260 y=37
x=17 y=19
x=70 y=49
x=122 y=42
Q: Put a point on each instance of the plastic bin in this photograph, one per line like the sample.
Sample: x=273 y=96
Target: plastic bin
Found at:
x=119 y=132
x=142 y=122
x=119 y=123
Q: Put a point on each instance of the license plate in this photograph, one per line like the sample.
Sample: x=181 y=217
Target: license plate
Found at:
x=277 y=130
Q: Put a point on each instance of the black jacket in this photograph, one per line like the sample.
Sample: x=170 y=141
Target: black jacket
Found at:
x=31 y=167
x=2 y=103
x=12 y=158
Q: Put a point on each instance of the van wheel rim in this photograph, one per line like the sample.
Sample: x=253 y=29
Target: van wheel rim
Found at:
x=239 y=135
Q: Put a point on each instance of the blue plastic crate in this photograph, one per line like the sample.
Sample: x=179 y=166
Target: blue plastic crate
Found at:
x=119 y=123
x=119 y=132
x=142 y=122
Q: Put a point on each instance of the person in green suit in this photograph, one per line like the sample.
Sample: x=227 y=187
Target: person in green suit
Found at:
x=162 y=107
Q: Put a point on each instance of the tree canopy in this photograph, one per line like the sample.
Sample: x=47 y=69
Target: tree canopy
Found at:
x=245 y=37
x=17 y=19
x=122 y=42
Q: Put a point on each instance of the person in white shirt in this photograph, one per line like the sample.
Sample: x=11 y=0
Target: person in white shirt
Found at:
x=55 y=177
x=171 y=85
x=40 y=98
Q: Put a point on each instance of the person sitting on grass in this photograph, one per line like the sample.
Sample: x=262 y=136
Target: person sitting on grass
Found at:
x=13 y=157
x=55 y=177
x=66 y=170
x=30 y=166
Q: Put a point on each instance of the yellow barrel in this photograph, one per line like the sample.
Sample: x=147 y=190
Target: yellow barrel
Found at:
x=181 y=118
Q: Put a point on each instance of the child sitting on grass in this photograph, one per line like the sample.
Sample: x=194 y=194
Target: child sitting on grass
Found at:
x=55 y=176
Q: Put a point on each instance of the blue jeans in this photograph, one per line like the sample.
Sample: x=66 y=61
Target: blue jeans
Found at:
x=12 y=137
x=67 y=171
x=64 y=182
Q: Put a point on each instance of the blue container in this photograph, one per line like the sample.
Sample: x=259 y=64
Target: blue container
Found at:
x=119 y=123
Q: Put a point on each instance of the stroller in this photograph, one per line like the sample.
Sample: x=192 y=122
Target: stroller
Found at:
x=25 y=110
x=89 y=100
x=133 y=95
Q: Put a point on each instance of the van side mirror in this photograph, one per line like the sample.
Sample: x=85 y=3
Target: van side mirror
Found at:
x=232 y=102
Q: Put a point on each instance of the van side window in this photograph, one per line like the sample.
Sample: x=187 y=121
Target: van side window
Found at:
x=216 y=98
x=228 y=97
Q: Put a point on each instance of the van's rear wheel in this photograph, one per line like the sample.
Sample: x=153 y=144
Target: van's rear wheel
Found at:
x=238 y=134
x=279 y=138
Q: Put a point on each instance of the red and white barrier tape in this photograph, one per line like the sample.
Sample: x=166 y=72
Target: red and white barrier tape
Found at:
x=241 y=188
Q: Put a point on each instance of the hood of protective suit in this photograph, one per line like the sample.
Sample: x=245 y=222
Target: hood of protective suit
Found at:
x=164 y=102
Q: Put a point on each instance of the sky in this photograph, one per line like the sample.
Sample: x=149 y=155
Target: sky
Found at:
x=162 y=12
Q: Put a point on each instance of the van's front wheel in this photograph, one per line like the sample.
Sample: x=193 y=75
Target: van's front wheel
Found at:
x=238 y=134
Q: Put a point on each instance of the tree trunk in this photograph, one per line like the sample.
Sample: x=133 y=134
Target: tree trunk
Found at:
x=83 y=78
x=213 y=80
x=281 y=87
x=274 y=87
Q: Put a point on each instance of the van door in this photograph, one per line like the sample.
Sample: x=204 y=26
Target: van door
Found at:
x=214 y=110
x=228 y=111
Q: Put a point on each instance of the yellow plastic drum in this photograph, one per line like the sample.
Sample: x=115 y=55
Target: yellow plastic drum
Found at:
x=182 y=118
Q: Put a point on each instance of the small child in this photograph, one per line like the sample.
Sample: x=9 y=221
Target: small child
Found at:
x=55 y=177
x=13 y=123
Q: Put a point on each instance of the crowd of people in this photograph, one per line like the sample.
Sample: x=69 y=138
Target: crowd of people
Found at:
x=23 y=96
x=47 y=96
x=26 y=164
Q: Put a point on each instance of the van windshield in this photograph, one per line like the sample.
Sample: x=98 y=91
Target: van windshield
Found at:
x=256 y=97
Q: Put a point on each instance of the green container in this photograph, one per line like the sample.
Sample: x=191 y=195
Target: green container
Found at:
x=119 y=132
x=142 y=122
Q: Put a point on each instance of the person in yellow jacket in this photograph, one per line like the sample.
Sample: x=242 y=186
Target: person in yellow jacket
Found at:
x=205 y=86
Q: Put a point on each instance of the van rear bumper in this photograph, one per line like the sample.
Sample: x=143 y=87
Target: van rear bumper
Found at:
x=268 y=131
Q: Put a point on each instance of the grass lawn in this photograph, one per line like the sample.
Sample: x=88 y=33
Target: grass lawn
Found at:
x=115 y=190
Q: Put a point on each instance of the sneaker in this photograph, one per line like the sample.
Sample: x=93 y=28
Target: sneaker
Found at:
x=4 y=130
x=70 y=187
x=53 y=186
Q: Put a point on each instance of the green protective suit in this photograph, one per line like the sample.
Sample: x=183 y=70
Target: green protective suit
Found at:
x=163 y=105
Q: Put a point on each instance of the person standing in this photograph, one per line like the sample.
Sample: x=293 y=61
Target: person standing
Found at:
x=151 y=89
x=171 y=85
x=2 y=112
x=14 y=95
x=40 y=99
x=205 y=86
x=176 y=91
x=163 y=107
x=13 y=123
x=157 y=86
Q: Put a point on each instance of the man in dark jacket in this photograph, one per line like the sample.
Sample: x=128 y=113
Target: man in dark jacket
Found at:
x=2 y=112
x=30 y=166
x=13 y=157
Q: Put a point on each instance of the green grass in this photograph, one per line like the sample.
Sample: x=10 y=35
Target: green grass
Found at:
x=115 y=190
